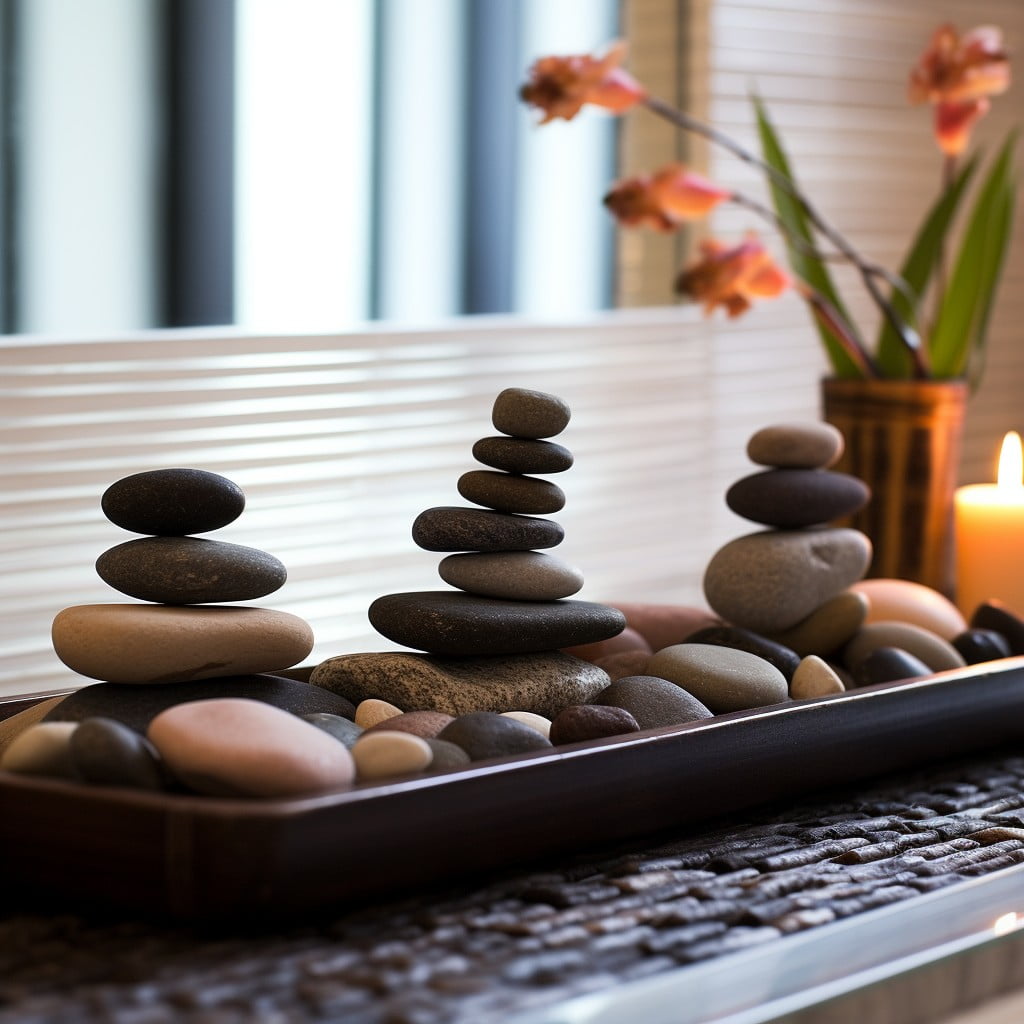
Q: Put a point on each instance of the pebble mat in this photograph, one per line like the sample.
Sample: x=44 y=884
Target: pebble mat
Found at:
x=534 y=938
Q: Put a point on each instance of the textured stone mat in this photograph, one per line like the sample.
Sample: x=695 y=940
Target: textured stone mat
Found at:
x=533 y=938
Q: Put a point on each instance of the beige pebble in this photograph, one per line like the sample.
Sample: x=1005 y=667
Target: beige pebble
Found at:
x=829 y=626
x=371 y=712
x=906 y=601
x=11 y=728
x=232 y=746
x=385 y=755
x=144 y=643
x=936 y=653
x=796 y=445
x=538 y=722
x=814 y=677
x=41 y=749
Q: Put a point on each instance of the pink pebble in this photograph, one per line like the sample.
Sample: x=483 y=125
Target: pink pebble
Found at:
x=663 y=625
x=628 y=640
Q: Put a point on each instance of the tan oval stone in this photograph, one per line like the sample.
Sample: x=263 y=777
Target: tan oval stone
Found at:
x=538 y=722
x=829 y=626
x=814 y=677
x=232 y=746
x=372 y=711
x=796 y=445
x=938 y=654
x=385 y=755
x=425 y=724
x=906 y=601
x=140 y=643
x=721 y=678
x=41 y=749
x=769 y=581
x=512 y=575
x=11 y=728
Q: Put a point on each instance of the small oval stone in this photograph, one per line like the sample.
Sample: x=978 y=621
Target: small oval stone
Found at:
x=583 y=722
x=137 y=705
x=373 y=711
x=538 y=722
x=387 y=755
x=173 y=502
x=783 y=658
x=139 y=643
x=507 y=492
x=722 y=678
x=236 y=747
x=107 y=753
x=980 y=645
x=188 y=570
x=344 y=730
x=475 y=529
x=11 y=728
x=936 y=653
x=425 y=724
x=891 y=600
x=889 y=665
x=446 y=756
x=653 y=701
x=522 y=455
x=624 y=663
x=484 y=735
x=770 y=581
x=791 y=498
x=997 y=616
x=520 y=412
x=814 y=677
x=41 y=749
x=512 y=575
x=828 y=627
x=796 y=445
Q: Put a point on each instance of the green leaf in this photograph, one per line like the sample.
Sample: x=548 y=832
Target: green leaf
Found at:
x=963 y=316
x=805 y=264
x=922 y=260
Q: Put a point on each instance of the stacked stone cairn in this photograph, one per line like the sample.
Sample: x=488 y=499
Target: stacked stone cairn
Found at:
x=188 y=699
x=493 y=663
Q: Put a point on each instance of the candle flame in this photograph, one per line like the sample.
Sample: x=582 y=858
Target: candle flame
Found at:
x=1011 y=461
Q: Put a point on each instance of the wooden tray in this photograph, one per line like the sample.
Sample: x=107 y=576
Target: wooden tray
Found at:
x=195 y=857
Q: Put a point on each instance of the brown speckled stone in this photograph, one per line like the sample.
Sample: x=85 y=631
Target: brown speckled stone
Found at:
x=522 y=455
x=455 y=528
x=425 y=724
x=508 y=492
x=797 y=445
x=512 y=575
x=583 y=722
x=521 y=412
x=542 y=683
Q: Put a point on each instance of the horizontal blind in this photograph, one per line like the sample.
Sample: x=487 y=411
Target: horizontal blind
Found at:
x=339 y=441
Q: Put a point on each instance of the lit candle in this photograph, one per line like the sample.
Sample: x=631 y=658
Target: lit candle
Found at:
x=990 y=535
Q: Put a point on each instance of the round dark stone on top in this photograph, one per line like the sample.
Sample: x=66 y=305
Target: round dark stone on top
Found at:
x=451 y=528
x=783 y=658
x=792 y=498
x=997 y=616
x=485 y=734
x=455 y=624
x=189 y=570
x=522 y=455
x=173 y=502
x=506 y=492
x=136 y=705
x=520 y=412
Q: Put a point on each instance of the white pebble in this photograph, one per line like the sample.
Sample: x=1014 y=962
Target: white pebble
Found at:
x=42 y=749
x=371 y=711
x=814 y=677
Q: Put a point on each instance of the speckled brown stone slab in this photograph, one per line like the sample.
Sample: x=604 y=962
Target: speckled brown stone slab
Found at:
x=522 y=455
x=455 y=528
x=542 y=683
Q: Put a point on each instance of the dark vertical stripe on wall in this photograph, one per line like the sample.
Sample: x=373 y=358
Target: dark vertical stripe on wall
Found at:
x=8 y=167
x=199 y=264
x=493 y=74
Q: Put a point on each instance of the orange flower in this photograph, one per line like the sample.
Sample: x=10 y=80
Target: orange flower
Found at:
x=560 y=86
x=665 y=199
x=954 y=121
x=954 y=69
x=732 y=276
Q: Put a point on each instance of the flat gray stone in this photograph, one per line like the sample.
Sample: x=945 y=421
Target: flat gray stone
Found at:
x=783 y=658
x=188 y=570
x=344 y=730
x=791 y=498
x=653 y=701
x=796 y=445
x=521 y=412
x=483 y=735
x=512 y=575
x=456 y=624
x=454 y=528
x=173 y=502
x=508 y=492
x=446 y=756
x=770 y=581
x=722 y=678
x=522 y=455
x=541 y=683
